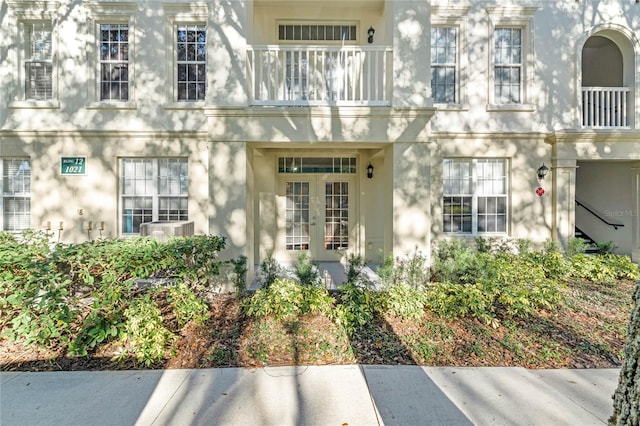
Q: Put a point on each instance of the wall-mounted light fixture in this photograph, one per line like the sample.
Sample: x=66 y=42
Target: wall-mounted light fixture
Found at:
x=369 y=171
x=370 y=32
x=542 y=172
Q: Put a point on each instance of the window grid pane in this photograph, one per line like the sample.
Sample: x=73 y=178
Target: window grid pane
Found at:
x=191 y=51
x=297 y=235
x=16 y=194
x=508 y=65
x=336 y=234
x=38 y=63
x=475 y=196
x=114 y=62
x=443 y=60
x=153 y=190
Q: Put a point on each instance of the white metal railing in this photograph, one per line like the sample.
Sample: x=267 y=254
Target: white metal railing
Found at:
x=318 y=75
x=604 y=107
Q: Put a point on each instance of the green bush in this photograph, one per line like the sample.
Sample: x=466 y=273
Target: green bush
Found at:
x=146 y=333
x=412 y=270
x=286 y=299
x=356 y=308
x=270 y=271
x=403 y=301
x=306 y=270
x=76 y=296
x=603 y=269
x=454 y=262
x=186 y=305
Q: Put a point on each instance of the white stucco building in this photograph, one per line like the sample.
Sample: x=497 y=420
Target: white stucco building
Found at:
x=258 y=120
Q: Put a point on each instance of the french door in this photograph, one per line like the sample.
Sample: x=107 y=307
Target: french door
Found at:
x=316 y=214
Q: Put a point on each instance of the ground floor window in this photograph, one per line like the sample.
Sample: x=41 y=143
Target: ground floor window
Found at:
x=475 y=196
x=16 y=194
x=153 y=189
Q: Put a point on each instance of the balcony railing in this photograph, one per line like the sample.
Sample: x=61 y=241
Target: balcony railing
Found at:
x=604 y=107
x=320 y=75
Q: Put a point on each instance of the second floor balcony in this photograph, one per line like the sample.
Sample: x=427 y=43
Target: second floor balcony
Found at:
x=605 y=107
x=320 y=75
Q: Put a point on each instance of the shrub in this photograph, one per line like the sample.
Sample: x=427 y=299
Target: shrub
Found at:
x=354 y=269
x=306 y=270
x=454 y=262
x=412 y=270
x=186 y=305
x=402 y=301
x=240 y=274
x=577 y=246
x=270 y=270
x=145 y=331
x=356 y=308
x=603 y=269
x=287 y=299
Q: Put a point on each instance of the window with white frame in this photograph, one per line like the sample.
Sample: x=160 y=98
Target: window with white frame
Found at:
x=475 y=196
x=444 y=64
x=511 y=58
x=153 y=189
x=114 y=61
x=191 y=62
x=38 y=60
x=16 y=194
x=508 y=65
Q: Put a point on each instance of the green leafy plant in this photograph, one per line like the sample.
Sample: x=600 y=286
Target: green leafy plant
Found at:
x=306 y=270
x=146 y=333
x=240 y=274
x=270 y=271
x=186 y=305
x=403 y=301
x=286 y=299
x=356 y=308
x=354 y=269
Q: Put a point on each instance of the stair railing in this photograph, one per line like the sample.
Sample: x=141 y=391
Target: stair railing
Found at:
x=615 y=225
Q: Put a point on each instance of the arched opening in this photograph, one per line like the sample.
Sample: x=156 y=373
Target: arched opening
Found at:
x=602 y=63
x=607 y=81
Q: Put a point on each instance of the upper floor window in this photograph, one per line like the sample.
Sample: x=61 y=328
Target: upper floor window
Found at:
x=444 y=64
x=508 y=65
x=475 y=196
x=153 y=189
x=319 y=32
x=38 y=60
x=511 y=58
x=16 y=194
x=191 y=62
x=114 y=62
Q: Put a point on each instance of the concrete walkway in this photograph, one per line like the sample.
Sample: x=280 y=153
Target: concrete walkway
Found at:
x=319 y=395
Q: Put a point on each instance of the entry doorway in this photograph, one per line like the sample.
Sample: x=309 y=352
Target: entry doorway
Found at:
x=316 y=215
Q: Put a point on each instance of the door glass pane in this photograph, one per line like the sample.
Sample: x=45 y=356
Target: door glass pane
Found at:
x=336 y=226
x=297 y=216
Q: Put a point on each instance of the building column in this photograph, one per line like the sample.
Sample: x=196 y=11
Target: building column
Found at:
x=228 y=201
x=635 y=214
x=411 y=52
x=564 y=200
x=410 y=196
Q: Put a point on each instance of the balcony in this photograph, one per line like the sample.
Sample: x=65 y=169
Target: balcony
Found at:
x=605 y=107
x=320 y=75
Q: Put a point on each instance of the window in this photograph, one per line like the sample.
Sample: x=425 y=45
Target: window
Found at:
x=153 y=189
x=114 y=62
x=16 y=194
x=191 y=62
x=38 y=60
x=444 y=64
x=475 y=196
x=508 y=65
x=297 y=32
x=511 y=58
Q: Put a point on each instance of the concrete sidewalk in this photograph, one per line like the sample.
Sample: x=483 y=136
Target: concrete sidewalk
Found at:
x=318 y=395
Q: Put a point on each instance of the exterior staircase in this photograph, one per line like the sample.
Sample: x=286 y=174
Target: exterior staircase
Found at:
x=592 y=245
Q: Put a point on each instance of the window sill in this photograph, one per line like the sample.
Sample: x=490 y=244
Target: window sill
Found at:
x=50 y=104
x=511 y=107
x=184 y=105
x=451 y=107
x=112 y=105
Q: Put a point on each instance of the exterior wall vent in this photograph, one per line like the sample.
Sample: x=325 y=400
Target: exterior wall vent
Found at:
x=162 y=231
